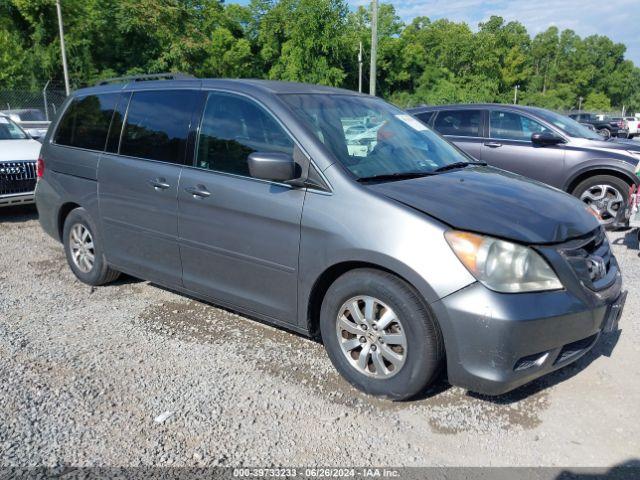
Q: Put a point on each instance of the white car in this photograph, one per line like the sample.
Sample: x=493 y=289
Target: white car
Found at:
x=634 y=126
x=18 y=157
x=32 y=120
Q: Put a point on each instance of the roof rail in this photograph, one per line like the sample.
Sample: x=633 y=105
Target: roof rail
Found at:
x=147 y=77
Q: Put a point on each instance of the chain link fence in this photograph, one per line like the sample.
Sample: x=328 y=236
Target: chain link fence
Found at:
x=48 y=100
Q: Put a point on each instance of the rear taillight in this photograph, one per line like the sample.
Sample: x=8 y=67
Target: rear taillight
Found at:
x=40 y=167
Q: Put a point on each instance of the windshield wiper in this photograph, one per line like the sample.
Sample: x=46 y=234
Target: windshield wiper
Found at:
x=394 y=176
x=453 y=166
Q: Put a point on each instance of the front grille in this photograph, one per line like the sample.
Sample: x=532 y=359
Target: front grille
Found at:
x=17 y=177
x=591 y=259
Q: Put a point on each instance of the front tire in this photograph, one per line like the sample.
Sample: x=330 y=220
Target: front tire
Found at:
x=84 y=251
x=379 y=334
x=606 y=195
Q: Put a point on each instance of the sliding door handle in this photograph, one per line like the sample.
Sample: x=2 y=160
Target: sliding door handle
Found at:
x=159 y=184
x=199 y=191
x=493 y=144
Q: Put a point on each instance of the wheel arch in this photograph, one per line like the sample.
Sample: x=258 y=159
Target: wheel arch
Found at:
x=330 y=275
x=63 y=213
x=582 y=175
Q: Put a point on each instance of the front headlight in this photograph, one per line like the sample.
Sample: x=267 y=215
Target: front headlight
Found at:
x=502 y=266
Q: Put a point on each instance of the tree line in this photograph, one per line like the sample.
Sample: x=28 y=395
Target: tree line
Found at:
x=315 y=41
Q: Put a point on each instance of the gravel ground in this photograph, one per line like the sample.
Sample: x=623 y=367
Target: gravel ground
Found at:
x=132 y=374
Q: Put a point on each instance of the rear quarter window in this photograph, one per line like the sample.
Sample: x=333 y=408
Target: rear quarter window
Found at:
x=85 y=122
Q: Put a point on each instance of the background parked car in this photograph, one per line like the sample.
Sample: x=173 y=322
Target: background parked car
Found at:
x=605 y=126
x=18 y=154
x=32 y=120
x=621 y=121
x=545 y=146
x=633 y=124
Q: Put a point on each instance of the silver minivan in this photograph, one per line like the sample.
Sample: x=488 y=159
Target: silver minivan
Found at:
x=332 y=214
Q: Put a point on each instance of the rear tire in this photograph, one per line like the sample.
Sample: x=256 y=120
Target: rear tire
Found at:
x=84 y=251
x=605 y=132
x=413 y=342
x=616 y=197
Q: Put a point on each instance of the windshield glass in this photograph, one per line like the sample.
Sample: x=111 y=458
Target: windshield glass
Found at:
x=32 y=116
x=371 y=137
x=567 y=125
x=11 y=131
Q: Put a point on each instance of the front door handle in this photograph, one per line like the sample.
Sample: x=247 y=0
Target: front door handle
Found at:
x=493 y=144
x=159 y=184
x=199 y=191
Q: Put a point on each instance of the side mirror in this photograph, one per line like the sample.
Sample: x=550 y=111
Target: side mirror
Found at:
x=275 y=166
x=543 y=139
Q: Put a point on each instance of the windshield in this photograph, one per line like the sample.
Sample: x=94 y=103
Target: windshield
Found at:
x=11 y=131
x=32 y=116
x=567 y=125
x=372 y=138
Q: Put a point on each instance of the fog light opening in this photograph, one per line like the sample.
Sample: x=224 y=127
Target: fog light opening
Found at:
x=530 y=361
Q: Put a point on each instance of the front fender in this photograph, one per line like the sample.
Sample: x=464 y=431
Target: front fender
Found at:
x=362 y=227
x=601 y=167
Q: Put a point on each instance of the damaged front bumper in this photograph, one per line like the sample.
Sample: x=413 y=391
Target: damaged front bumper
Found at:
x=497 y=342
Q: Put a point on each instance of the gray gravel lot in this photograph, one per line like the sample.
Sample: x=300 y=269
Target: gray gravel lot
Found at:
x=132 y=374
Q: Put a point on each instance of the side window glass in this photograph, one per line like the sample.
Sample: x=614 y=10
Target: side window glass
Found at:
x=85 y=122
x=511 y=126
x=232 y=128
x=425 y=117
x=529 y=127
x=463 y=123
x=157 y=125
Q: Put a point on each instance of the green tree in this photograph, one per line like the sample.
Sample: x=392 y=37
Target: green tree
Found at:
x=315 y=41
x=597 y=101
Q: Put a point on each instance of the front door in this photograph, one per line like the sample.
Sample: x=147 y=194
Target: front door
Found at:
x=239 y=236
x=509 y=147
x=138 y=185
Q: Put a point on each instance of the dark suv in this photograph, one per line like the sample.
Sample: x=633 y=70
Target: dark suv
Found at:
x=607 y=127
x=331 y=213
x=545 y=146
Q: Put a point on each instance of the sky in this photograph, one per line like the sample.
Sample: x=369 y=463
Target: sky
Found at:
x=617 y=19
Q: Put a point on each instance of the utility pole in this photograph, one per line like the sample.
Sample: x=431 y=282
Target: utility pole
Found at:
x=515 y=95
x=580 y=104
x=360 y=69
x=374 y=46
x=62 y=49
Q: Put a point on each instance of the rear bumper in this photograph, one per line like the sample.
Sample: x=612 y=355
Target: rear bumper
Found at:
x=497 y=342
x=17 y=199
x=48 y=203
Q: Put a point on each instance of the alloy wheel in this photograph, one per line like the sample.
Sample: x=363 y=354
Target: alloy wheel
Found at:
x=605 y=200
x=82 y=249
x=371 y=337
